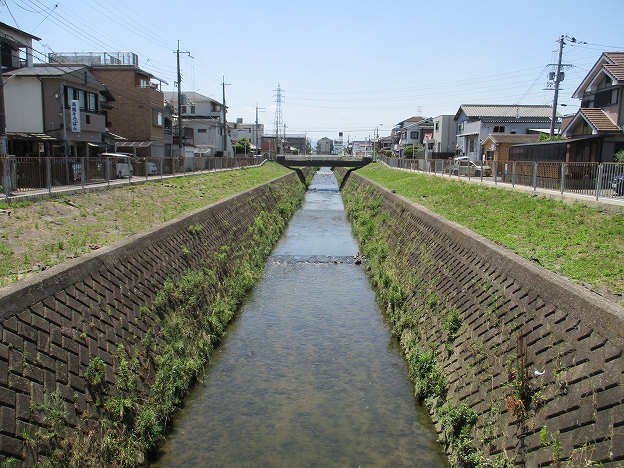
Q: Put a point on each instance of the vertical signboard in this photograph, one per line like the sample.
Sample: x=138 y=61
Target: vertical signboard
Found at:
x=75 y=116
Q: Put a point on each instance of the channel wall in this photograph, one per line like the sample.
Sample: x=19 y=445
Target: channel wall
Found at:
x=515 y=317
x=56 y=322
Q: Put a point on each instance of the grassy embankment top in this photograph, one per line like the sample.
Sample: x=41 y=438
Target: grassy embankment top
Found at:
x=581 y=243
x=34 y=236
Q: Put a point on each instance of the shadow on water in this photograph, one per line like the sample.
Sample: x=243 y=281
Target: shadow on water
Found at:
x=308 y=374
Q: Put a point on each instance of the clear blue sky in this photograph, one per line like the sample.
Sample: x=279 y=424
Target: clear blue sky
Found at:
x=344 y=65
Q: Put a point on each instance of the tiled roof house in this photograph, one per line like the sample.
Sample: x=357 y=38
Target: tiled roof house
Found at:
x=599 y=122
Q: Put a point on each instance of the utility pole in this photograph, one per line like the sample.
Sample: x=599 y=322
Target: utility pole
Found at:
x=284 y=137
x=225 y=129
x=558 y=80
x=178 y=52
x=257 y=128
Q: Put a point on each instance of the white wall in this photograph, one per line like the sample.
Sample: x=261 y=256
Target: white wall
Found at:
x=23 y=105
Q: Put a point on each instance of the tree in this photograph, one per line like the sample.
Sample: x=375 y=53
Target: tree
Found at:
x=545 y=137
x=242 y=146
x=619 y=156
x=408 y=152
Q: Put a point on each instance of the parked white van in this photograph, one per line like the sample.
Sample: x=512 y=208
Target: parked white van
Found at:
x=120 y=163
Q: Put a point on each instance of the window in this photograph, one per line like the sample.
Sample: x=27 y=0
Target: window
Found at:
x=183 y=109
x=202 y=130
x=87 y=119
x=88 y=101
x=499 y=129
x=606 y=98
x=143 y=83
x=437 y=126
x=413 y=135
x=91 y=102
x=158 y=118
x=192 y=109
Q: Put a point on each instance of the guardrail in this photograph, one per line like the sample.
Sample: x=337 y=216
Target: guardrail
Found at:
x=598 y=180
x=19 y=175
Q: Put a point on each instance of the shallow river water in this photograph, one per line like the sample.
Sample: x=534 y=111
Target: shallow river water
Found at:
x=308 y=375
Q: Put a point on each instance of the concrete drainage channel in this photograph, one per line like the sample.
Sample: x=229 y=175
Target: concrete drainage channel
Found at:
x=516 y=364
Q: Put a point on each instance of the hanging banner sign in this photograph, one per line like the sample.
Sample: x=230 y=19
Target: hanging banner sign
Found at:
x=75 y=116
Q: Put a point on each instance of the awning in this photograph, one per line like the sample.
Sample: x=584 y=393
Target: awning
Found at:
x=100 y=145
x=203 y=148
x=468 y=134
x=31 y=136
x=134 y=144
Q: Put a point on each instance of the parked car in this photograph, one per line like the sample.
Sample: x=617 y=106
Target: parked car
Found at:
x=618 y=185
x=121 y=164
x=152 y=168
x=463 y=165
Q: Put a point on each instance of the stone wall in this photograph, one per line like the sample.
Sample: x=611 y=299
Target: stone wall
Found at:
x=55 y=323
x=518 y=321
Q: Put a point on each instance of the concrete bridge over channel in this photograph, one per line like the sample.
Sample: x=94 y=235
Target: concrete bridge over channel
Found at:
x=324 y=160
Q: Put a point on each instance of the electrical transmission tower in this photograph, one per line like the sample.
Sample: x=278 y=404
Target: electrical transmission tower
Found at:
x=278 y=118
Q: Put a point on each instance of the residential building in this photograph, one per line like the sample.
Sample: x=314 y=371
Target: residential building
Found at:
x=398 y=137
x=196 y=106
x=413 y=132
x=338 y=146
x=597 y=127
x=139 y=114
x=268 y=145
x=475 y=122
x=362 y=148
x=65 y=104
x=444 y=137
x=324 y=146
x=16 y=52
x=383 y=144
x=296 y=141
x=253 y=132
x=16 y=48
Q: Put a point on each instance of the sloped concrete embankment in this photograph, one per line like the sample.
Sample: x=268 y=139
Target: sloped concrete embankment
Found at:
x=56 y=325
x=537 y=357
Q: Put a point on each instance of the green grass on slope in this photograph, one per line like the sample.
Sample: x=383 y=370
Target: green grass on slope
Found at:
x=584 y=244
x=42 y=234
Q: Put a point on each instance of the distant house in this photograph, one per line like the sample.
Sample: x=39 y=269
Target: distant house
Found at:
x=597 y=127
x=476 y=122
x=444 y=136
x=410 y=132
x=205 y=115
x=324 y=146
x=362 y=148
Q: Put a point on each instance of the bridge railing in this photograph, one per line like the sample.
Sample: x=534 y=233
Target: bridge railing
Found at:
x=598 y=180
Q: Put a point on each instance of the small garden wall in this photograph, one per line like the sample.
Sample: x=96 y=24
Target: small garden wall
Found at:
x=517 y=365
x=97 y=352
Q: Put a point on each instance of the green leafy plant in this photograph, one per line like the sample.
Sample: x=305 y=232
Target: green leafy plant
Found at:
x=94 y=375
x=453 y=322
